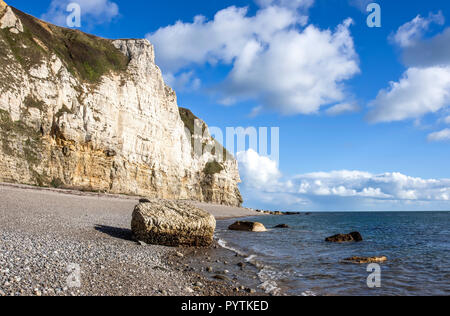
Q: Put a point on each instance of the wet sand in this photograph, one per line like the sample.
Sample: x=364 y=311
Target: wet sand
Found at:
x=44 y=231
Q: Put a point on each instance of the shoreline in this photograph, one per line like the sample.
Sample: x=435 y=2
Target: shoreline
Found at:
x=45 y=230
x=220 y=212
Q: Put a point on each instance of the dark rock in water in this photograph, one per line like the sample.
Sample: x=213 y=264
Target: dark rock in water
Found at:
x=292 y=213
x=355 y=236
x=282 y=226
x=365 y=260
x=307 y=214
x=144 y=201
x=248 y=227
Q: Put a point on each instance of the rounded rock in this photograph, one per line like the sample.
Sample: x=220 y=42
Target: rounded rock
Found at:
x=173 y=224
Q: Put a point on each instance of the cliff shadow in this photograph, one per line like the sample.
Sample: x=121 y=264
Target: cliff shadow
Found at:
x=116 y=232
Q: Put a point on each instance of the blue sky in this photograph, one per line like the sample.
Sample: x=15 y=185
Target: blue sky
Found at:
x=389 y=151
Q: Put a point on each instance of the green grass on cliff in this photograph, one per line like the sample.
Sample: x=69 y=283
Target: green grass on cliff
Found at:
x=31 y=102
x=212 y=168
x=86 y=56
x=188 y=119
x=23 y=142
x=11 y=130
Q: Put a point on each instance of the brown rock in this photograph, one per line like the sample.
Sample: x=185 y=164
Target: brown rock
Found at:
x=248 y=227
x=282 y=226
x=364 y=260
x=173 y=224
x=355 y=236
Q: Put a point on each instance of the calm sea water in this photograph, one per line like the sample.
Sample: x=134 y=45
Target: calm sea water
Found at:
x=297 y=261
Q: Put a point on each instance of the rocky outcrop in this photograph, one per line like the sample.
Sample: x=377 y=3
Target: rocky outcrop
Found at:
x=366 y=260
x=355 y=237
x=277 y=213
x=172 y=224
x=9 y=20
x=248 y=227
x=82 y=112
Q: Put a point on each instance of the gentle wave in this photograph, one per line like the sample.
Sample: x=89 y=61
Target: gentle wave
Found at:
x=267 y=275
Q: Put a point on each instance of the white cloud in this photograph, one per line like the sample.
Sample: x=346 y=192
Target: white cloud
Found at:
x=263 y=180
x=184 y=81
x=420 y=91
x=274 y=61
x=337 y=189
x=220 y=40
x=410 y=33
x=292 y=4
x=443 y=135
x=92 y=11
x=425 y=86
x=447 y=120
x=387 y=186
x=258 y=171
x=342 y=108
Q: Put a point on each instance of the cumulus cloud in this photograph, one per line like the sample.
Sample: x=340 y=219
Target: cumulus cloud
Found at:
x=425 y=86
x=262 y=181
x=274 y=59
x=387 y=186
x=410 y=33
x=419 y=92
x=258 y=171
x=342 y=108
x=443 y=135
x=92 y=11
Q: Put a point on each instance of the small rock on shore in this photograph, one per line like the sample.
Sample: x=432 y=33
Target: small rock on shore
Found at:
x=248 y=227
x=365 y=260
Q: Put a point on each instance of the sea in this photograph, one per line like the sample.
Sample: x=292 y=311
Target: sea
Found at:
x=297 y=260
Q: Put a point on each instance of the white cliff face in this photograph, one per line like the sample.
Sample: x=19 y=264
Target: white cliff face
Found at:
x=122 y=134
x=9 y=20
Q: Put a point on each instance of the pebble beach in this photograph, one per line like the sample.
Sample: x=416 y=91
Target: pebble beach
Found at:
x=50 y=238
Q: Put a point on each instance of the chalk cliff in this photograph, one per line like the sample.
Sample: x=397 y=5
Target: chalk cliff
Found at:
x=78 y=111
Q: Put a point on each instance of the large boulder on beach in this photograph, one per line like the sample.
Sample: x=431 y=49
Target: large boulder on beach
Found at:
x=248 y=227
x=355 y=237
x=173 y=224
